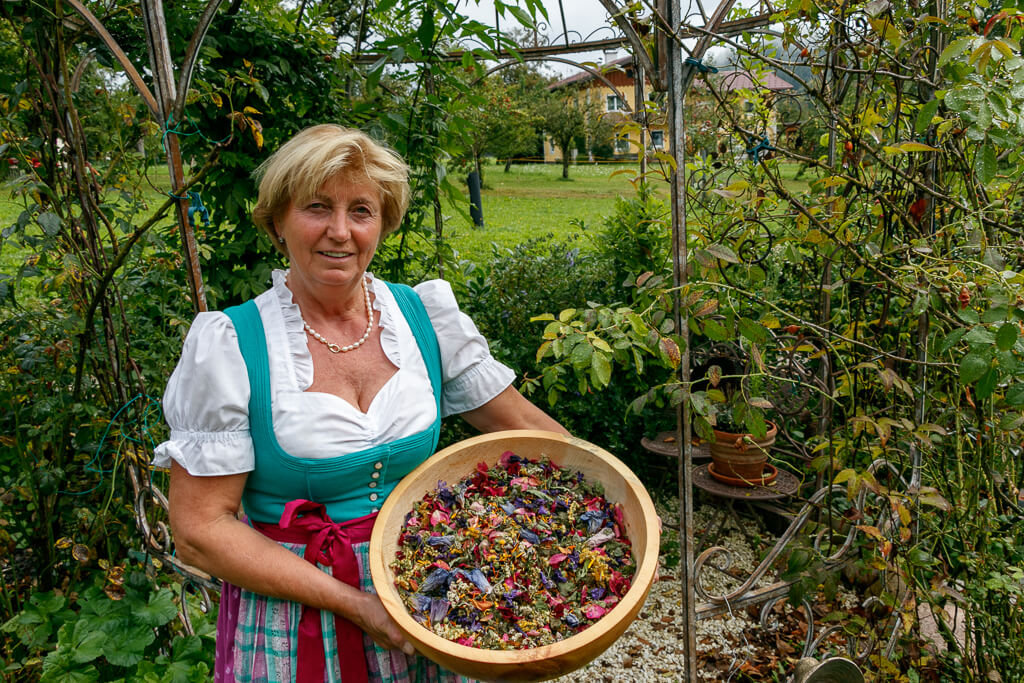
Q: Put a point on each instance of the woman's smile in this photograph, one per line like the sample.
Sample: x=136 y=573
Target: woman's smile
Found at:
x=331 y=236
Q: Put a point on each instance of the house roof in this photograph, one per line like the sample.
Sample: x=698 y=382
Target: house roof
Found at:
x=586 y=75
x=732 y=79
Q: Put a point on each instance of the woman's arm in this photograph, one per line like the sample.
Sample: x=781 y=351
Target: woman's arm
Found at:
x=511 y=410
x=209 y=536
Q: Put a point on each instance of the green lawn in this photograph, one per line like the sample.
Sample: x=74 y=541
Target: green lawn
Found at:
x=533 y=200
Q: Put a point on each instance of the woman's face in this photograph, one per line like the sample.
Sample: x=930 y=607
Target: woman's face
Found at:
x=332 y=237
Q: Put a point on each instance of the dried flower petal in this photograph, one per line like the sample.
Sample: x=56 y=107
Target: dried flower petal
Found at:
x=438 y=609
x=438 y=579
x=543 y=535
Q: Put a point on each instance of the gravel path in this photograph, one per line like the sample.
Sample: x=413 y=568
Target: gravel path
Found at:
x=650 y=649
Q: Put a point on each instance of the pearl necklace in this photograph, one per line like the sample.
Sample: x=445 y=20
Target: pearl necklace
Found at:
x=334 y=348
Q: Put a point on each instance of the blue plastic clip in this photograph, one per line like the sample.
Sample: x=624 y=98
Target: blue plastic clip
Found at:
x=701 y=66
x=755 y=152
x=195 y=206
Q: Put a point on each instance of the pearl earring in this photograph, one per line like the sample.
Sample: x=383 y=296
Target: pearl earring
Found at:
x=280 y=239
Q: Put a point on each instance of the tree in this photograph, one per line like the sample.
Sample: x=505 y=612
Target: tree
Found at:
x=566 y=117
x=502 y=121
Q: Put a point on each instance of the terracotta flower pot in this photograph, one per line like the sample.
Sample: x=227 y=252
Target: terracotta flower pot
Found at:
x=741 y=456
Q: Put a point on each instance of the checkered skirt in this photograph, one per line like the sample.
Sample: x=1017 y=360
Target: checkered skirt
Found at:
x=264 y=646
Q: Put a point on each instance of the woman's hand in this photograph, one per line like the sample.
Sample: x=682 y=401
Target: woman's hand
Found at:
x=209 y=536
x=374 y=620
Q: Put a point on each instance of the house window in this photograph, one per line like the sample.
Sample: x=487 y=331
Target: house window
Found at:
x=615 y=103
x=657 y=139
x=554 y=147
x=622 y=144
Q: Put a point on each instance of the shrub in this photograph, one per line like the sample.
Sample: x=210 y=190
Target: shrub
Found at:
x=636 y=238
x=531 y=279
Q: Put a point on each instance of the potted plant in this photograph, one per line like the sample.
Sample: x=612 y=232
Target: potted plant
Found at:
x=739 y=435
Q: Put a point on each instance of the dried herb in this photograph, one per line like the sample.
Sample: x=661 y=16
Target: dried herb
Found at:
x=518 y=555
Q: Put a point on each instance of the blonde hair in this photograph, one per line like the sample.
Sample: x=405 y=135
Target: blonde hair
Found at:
x=297 y=170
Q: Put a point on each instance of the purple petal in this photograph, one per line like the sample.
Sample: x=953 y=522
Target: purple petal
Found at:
x=441 y=541
x=438 y=609
x=420 y=603
x=529 y=536
x=438 y=579
x=480 y=581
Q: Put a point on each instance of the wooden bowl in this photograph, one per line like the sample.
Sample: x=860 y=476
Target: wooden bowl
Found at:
x=451 y=465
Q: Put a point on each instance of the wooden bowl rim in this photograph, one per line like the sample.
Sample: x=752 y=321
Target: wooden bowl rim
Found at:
x=643 y=578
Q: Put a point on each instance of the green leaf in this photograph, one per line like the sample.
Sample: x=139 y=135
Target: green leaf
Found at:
x=994 y=314
x=699 y=401
x=126 y=642
x=907 y=147
x=49 y=222
x=925 y=116
x=715 y=331
x=753 y=331
x=600 y=370
x=845 y=475
x=920 y=303
x=1006 y=337
x=956 y=48
x=951 y=340
x=86 y=642
x=1007 y=362
x=980 y=336
x=723 y=252
x=987 y=384
x=519 y=13
x=1015 y=395
x=985 y=163
x=581 y=355
x=968 y=315
x=157 y=611
x=425 y=32
x=1010 y=421
x=974 y=365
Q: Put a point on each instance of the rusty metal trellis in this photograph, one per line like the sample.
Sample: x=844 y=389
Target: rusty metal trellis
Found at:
x=167 y=106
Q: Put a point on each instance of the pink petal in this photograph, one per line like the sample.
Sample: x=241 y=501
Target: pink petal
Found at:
x=594 y=611
x=439 y=517
x=557 y=559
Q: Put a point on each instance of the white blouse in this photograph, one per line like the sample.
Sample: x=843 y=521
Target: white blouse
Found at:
x=206 y=402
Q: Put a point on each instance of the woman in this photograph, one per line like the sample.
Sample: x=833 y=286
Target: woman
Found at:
x=307 y=405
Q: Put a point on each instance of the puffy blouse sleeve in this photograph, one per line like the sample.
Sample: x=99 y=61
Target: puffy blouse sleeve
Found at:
x=470 y=375
x=206 y=403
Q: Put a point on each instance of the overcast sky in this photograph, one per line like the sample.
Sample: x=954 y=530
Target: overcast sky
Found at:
x=582 y=16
